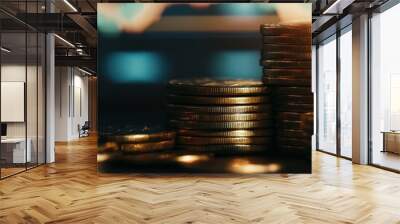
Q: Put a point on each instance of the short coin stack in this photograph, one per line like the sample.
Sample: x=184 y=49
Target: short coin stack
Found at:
x=138 y=141
x=230 y=116
x=286 y=61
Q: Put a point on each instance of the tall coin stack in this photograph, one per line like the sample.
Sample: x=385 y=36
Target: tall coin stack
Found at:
x=230 y=116
x=286 y=61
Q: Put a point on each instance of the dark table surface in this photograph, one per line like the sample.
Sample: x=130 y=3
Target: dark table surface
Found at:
x=187 y=162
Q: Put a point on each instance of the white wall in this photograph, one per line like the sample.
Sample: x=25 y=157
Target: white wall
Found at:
x=33 y=127
x=81 y=104
x=71 y=102
x=16 y=73
x=62 y=82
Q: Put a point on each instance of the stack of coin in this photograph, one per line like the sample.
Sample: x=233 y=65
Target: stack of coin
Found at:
x=137 y=141
x=286 y=54
x=286 y=61
x=220 y=116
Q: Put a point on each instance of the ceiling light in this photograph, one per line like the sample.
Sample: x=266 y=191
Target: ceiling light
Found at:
x=70 y=5
x=5 y=50
x=84 y=71
x=337 y=7
x=65 y=41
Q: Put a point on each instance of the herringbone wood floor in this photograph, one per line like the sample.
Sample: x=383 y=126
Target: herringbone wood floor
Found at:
x=71 y=191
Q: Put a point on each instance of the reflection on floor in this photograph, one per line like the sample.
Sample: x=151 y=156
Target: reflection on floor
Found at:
x=11 y=169
x=71 y=191
x=387 y=159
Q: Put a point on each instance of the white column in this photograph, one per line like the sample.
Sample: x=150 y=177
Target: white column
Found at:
x=360 y=90
x=50 y=92
x=50 y=99
x=62 y=103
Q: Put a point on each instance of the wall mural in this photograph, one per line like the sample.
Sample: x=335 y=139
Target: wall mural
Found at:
x=204 y=87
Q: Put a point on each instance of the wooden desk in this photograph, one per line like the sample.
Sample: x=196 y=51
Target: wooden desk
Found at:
x=15 y=148
x=391 y=141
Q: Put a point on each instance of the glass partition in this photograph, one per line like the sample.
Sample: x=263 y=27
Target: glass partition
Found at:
x=385 y=89
x=22 y=91
x=31 y=99
x=14 y=153
x=326 y=96
x=346 y=93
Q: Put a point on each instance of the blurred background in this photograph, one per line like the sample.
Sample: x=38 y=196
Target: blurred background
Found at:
x=143 y=45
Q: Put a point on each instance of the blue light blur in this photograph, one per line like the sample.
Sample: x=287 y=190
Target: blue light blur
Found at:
x=130 y=10
x=245 y=9
x=236 y=65
x=106 y=26
x=138 y=67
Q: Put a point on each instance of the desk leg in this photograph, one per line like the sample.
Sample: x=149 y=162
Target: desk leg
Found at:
x=384 y=143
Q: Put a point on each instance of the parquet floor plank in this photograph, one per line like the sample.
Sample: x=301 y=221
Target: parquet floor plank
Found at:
x=71 y=191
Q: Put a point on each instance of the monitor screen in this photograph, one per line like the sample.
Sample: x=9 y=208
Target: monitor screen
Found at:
x=3 y=129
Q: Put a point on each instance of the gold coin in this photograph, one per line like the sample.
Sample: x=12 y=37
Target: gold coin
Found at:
x=307 y=117
x=294 y=141
x=187 y=140
x=287 y=47
x=307 y=121
x=286 y=124
x=291 y=116
x=227 y=125
x=210 y=87
x=286 y=55
x=294 y=107
x=199 y=100
x=141 y=137
x=233 y=133
x=108 y=147
x=190 y=116
x=296 y=72
x=221 y=109
x=286 y=81
x=294 y=99
x=226 y=148
x=303 y=40
x=283 y=64
x=295 y=150
x=147 y=147
x=291 y=90
x=291 y=133
x=297 y=29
